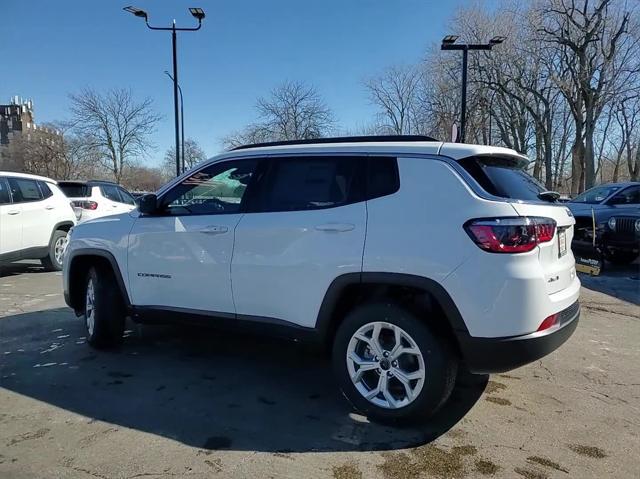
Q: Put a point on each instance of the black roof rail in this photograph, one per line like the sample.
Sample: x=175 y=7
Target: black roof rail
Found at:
x=339 y=139
x=88 y=181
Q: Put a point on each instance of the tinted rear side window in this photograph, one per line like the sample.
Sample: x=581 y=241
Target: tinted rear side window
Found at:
x=502 y=178
x=382 y=177
x=111 y=193
x=24 y=190
x=75 y=190
x=295 y=184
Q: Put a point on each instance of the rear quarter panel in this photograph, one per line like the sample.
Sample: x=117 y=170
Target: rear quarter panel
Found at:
x=419 y=229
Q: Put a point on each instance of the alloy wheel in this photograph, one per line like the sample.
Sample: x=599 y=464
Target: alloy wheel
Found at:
x=89 y=311
x=386 y=365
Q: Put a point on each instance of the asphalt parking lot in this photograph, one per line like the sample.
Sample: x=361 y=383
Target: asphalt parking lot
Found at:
x=177 y=402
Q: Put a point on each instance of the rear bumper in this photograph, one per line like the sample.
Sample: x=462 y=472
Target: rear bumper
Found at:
x=495 y=355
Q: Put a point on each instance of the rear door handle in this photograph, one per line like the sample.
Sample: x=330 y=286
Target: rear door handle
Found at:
x=13 y=212
x=214 y=230
x=336 y=227
x=49 y=207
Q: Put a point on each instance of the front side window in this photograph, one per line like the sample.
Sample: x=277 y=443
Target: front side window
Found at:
x=24 y=190
x=4 y=192
x=218 y=189
x=295 y=184
x=628 y=196
x=595 y=195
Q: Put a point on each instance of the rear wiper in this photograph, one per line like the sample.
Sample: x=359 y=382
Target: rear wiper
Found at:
x=549 y=195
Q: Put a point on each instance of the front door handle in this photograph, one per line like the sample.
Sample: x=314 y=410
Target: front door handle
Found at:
x=336 y=227
x=13 y=212
x=214 y=230
x=49 y=207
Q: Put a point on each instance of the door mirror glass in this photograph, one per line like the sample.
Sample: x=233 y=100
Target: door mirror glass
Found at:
x=148 y=204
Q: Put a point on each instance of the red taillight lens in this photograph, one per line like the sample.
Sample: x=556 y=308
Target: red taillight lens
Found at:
x=510 y=235
x=549 y=322
x=85 y=205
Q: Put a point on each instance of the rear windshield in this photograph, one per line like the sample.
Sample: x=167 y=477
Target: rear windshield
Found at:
x=502 y=178
x=75 y=190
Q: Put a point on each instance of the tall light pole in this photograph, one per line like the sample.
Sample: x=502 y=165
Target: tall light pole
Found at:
x=449 y=43
x=181 y=124
x=198 y=13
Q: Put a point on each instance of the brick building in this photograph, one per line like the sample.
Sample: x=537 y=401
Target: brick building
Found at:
x=17 y=125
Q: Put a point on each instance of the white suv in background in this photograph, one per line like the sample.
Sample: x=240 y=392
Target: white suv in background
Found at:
x=35 y=217
x=406 y=256
x=97 y=198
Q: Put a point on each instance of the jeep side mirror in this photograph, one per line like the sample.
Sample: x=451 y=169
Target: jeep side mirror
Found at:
x=148 y=204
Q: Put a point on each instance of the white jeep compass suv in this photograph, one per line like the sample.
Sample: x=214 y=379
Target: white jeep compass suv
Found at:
x=406 y=256
x=35 y=218
x=96 y=198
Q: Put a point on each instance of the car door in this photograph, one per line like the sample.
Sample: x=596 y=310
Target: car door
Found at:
x=36 y=230
x=10 y=223
x=180 y=258
x=305 y=227
x=126 y=199
x=113 y=204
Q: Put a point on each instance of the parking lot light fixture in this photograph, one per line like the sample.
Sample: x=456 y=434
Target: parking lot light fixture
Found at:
x=449 y=39
x=449 y=43
x=198 y=13
x=136 y=11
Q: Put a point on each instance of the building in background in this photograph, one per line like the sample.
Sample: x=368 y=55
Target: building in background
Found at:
x=20 y=136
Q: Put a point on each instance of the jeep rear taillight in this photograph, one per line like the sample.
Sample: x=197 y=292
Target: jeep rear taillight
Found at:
x=510 y=235
x=85 y=205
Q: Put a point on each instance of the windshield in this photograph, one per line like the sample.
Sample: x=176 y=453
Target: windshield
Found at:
x=74 y=190
x=503 y=178
x=595 y=195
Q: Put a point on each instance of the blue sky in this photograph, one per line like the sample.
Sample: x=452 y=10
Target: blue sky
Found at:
x=245 y=48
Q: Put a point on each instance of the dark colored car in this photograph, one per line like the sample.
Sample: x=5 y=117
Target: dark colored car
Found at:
x=615 y=210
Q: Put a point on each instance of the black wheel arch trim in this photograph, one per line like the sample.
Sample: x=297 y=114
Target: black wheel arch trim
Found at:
x=339 y=285
x=80 y=252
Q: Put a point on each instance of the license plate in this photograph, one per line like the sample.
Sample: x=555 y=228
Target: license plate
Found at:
x=562 y=243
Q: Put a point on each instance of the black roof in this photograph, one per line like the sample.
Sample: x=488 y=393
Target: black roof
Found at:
x=339 y=139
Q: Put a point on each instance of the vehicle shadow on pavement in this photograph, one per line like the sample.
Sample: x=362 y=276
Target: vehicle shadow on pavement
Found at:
x=616 y=280
x=205 y=388
x=13 y=269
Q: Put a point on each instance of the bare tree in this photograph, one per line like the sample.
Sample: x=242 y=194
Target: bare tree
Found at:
x=293 y=111
x=593 y=42
x=193 y=154
x=116 y=127
x=142 y=178
x=396 y=93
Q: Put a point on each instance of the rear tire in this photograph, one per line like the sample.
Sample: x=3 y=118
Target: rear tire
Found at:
x=104 y=309
x=427 y=359
x=53 y=261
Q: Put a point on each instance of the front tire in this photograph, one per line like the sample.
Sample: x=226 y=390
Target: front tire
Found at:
x=391 y=366
x=53 y=261
x=104 y=311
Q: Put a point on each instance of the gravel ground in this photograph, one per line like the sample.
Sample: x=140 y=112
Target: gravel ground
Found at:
x=177 y=402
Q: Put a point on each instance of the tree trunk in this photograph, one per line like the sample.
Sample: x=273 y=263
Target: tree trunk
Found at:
x=577 y=170
x=589 y=161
